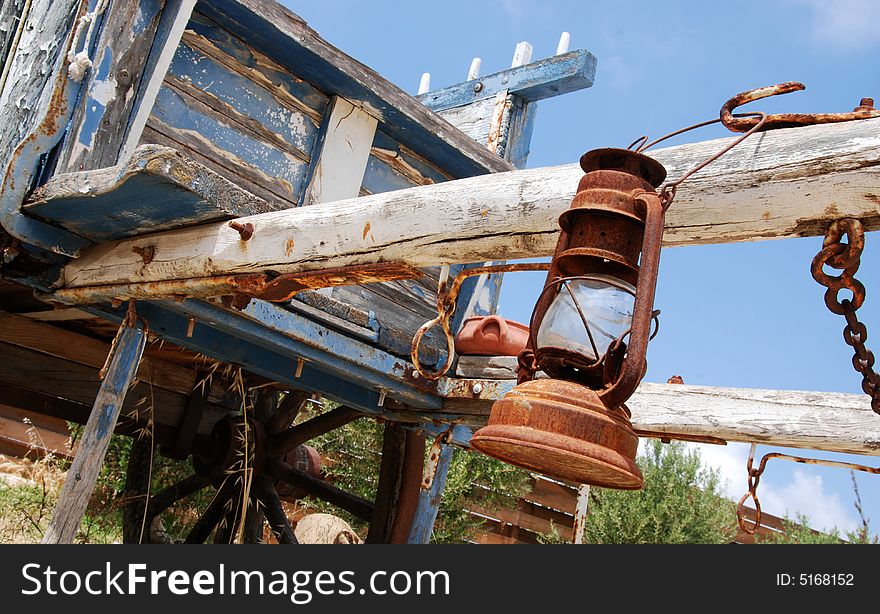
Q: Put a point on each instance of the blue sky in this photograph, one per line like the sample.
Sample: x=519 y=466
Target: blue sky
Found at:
x=745 y=315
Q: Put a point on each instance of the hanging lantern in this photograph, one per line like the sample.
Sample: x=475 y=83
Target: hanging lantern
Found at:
x=589 y=332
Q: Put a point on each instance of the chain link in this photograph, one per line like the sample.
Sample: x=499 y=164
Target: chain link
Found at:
x=847 y=257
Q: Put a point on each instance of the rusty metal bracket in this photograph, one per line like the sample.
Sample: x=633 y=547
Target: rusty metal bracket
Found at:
x=755 y=478
x=446 y=300
x=865 y=110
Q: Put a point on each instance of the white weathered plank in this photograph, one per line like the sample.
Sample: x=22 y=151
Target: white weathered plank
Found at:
x=339 y=170
x=829 y=421
x=785 y=183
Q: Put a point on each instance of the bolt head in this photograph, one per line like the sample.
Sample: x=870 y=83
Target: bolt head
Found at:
x=478 y=388
x=478 y=87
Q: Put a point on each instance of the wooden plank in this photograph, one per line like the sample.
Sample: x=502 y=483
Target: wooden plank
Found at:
x=487 y=367
x=122 y=200
x=487 y=537
x=41 y=435
x=279 y=33
x=50 y=377
x=546 y=78
x=95 y=439
x=90 y=352
x=830 y=421
x=758 y=191
x=338 y=172
x=99 y=122
x=429 y=500
x=525 y=521
x=175 y=15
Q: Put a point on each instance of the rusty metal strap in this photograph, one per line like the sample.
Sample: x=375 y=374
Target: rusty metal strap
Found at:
x=755 y=478
x=446 y=300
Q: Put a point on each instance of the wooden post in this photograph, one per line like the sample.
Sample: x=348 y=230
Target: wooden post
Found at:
x=429 y=500
x=580 y=514
x=83 y=473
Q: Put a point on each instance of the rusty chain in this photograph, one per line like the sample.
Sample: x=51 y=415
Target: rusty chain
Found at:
x=847 y=257
x=754 y=477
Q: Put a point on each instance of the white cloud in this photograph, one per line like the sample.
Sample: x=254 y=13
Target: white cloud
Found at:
x=806 y=493
x=847 y=24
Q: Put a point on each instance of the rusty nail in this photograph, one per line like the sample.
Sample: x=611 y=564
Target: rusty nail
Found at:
x=245 y=231
x=147 y=253
x=675 y=379
x=240 y=301
x=116 y=302
x=300 y=362
x=865 y=104
x=190 y=326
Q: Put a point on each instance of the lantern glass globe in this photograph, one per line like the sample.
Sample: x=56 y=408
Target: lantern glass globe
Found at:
x=607 y=307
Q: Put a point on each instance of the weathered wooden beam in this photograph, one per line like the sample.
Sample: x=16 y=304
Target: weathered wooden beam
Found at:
x=785 y=183
x=83 y=472
x=829 y=421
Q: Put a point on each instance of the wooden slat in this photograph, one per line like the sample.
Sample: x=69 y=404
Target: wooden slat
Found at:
x=98 y=124
x=487 y=537
x=553 y=496
x=524 y=521
x=90 y=352
x=758 y=191
x=43 y=435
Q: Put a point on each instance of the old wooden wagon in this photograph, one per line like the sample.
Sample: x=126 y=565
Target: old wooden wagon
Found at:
x=220 y=180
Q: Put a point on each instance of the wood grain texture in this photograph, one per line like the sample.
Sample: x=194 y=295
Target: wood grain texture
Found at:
x=95 y=439
x=830 y=421
x=121 y=200
x=98 y=125
x=785 y=183
x=272 y=27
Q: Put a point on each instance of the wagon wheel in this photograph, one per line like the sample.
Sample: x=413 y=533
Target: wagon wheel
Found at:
x=247 y=459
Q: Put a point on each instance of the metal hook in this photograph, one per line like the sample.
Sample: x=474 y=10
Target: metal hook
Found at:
x=865 y=110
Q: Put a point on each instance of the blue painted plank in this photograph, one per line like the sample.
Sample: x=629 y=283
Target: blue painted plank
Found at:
x=158 y=189
x=300 y=50
x=229 y=144
x=429 y=500
x=274 y=73
x=553 y=76
x=247 y=97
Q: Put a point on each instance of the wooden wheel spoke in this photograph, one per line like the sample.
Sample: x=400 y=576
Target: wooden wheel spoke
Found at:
x=287 y=411
x=137 y=485
x=164 y=499
x=212 y=515
x=275 y=515
x=253 y=522
x=301 y=433
x=319 y=488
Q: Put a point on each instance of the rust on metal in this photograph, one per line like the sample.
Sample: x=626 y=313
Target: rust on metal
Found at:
x=200 y=287
x=847 y=258
x=284 y=287
x=563 y=430
x=865 y=110
x=446 y=302
x=754 y=478
x=442 y=439
x=147 y=253
x=245 y=231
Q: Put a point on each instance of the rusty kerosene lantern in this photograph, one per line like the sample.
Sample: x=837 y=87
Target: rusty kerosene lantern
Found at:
x=589 y=332
x=591 y=324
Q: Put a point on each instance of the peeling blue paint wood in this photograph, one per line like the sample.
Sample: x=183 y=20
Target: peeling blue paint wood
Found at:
x=213 y=40
x=37 y=81
x=156 y=189
x=275 y=361
x=429 y=500
x=277 y=33
x=553 y=76
x=97 y=128
x=175 y=16
x=244 y=100
x=231 y=149
x=95 y=439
